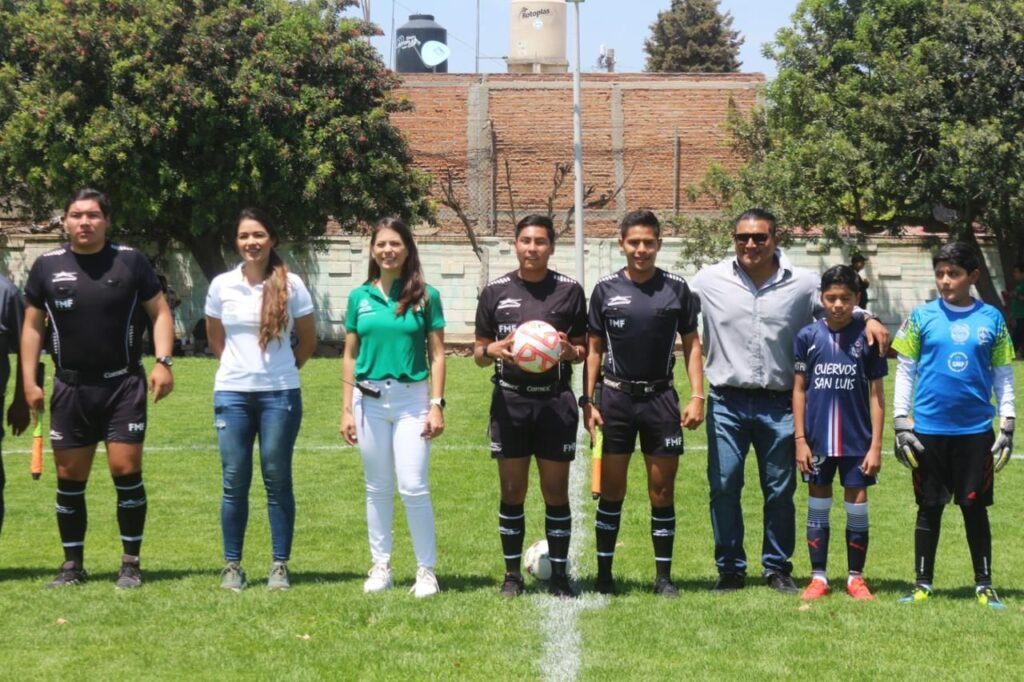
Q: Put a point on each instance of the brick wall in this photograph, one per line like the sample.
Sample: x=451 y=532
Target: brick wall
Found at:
x=471 y=125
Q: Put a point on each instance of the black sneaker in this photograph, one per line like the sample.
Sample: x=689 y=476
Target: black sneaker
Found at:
x=664 y=587
x=129 y=577
x=781 y=582
x=558 y=586
x=606 y=585
x=70 y=574
x=730 y=582
x=512 y=586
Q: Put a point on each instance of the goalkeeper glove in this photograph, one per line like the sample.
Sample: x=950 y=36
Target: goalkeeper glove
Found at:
x=1003 y=448
x=908 y=447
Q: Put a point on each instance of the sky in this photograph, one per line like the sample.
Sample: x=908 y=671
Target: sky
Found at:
x=619 y=24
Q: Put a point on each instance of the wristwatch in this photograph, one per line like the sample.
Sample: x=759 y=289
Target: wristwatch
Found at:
x=166 y=360
x=584 y=401
x=440 y=402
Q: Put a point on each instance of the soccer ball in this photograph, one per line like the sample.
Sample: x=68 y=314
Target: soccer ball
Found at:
x=536 y=347
x=536 y=560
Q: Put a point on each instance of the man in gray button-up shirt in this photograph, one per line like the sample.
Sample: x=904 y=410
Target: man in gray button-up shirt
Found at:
x=752 y=307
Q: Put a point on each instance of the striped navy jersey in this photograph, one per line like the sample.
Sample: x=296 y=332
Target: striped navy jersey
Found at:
x=838 y=367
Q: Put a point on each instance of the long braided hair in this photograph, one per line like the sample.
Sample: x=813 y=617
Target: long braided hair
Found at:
x=274 y=309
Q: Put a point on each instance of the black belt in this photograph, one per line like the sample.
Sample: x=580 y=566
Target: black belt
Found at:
x=738 y=392
x=74 y=377
x=637 y=389
x=529 y=389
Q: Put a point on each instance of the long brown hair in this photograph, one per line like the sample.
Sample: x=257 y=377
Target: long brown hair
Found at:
x=274 y=309
x=413 y=288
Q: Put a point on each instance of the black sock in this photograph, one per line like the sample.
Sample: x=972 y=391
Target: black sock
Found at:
x=926 y=540
x=856 y=536
x=3 y=481
x=511 y=527
x=606 y=532
x=663 y=536
x=131 y=511
x=558 y=529
x=72 y=518
x=979 y=539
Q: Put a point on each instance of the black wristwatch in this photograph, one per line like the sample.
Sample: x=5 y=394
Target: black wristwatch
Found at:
x=584 y=401
x=440 y=402
x=166 y=360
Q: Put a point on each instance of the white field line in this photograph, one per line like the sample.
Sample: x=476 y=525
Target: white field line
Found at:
x=563 y=642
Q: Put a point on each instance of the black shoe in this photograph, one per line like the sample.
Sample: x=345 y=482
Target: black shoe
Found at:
x=781 y=582
x=558 y=586
x=606 y=585
x=512 y=586
x=664 y=587
x=129 y=577
x=730 y=582
x=70 y=574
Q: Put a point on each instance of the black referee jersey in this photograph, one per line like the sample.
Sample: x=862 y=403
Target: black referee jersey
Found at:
x=509 y=301
x=639 y=323
x=94 y=303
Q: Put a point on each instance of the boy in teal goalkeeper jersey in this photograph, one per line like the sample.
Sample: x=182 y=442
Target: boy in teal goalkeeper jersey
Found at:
x=954 y=352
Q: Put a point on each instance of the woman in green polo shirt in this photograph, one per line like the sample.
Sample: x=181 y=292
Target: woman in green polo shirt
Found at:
x=394 y=342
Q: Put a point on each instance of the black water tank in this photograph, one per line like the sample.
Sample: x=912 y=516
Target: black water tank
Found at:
x=409 y=41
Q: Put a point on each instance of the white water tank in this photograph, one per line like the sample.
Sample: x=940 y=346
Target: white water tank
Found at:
x=538 y=37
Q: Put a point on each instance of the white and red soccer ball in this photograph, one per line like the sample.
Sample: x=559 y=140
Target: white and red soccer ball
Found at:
x=536 y=347
x=536 y=560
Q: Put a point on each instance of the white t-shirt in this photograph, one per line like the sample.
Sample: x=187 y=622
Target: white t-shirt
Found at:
x=243 y=365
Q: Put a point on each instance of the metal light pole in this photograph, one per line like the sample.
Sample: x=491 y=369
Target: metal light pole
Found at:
x=577 y=137
x=476 y=63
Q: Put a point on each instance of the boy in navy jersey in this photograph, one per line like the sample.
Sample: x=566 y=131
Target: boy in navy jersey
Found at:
x=838 y=410
x=954 y=352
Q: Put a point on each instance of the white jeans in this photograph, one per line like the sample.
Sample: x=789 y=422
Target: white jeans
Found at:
x=390 y=430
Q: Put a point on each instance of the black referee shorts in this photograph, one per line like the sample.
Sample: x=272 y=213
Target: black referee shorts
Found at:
x=85 y=414
x=524 y=425
x=655 y=417
x=957 y=468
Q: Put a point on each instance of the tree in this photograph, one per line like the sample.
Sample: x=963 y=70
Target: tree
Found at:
x=893 y=113
x=693 y=36
x=185 y=111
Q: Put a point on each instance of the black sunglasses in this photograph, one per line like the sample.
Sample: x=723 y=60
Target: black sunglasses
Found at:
x=758 y=237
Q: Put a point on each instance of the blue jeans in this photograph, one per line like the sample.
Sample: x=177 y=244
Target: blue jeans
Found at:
x=275 y=417
x=736 y=420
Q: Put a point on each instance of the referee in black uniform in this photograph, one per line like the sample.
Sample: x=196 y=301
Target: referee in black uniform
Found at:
x=93 y=293
x=532 y=414
x=635 y=316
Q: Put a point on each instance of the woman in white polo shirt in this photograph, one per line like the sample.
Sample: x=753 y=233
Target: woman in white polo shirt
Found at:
x=394 y=341
x=251 y=314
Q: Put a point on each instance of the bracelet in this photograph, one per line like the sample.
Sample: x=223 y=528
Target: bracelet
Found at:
x=486 y=354
x=800 y=438
x=697 y=396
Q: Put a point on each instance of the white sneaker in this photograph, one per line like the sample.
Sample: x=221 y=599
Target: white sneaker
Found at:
x=379 y=580
x=426 y=583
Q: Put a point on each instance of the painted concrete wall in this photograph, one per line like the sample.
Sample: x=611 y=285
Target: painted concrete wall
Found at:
x=899 y=272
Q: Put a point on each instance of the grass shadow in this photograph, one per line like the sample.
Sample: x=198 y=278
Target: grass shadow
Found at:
x=27 y=573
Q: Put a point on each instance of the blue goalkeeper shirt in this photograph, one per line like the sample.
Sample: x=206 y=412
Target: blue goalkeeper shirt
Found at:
x=956 y=351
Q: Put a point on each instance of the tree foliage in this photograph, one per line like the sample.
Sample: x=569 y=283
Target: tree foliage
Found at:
x=693 y=36
x=893 y=113
x=185 y=111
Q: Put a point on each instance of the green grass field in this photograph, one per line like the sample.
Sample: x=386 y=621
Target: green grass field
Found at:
x=181 y=625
